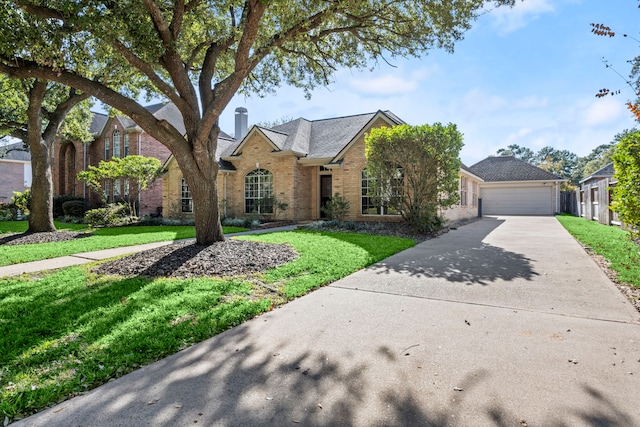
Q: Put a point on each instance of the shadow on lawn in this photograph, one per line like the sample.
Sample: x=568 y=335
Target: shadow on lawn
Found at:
x=237 y=379
x=461 y=256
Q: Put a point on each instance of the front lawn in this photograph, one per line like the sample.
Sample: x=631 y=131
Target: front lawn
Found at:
x=65 y=332
x=103 y=238
x=610 y=242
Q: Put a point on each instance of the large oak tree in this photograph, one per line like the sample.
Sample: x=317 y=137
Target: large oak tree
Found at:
x=35 y=111
x=199 y=53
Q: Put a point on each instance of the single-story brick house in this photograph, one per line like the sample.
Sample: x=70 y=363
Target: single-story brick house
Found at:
x=514 y=187
x=595 y=195
x=302 y=163
x=15 y=170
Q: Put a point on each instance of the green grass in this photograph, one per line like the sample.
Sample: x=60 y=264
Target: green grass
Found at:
x=103 y=238
x=610 y=242
x=21 y=226
x=64 y=332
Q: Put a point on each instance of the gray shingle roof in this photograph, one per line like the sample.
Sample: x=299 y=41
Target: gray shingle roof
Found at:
x=509 y=168
x=15 y=151
x=604 y=172
x=98 y=121
x=318 y=139
x=163 y=111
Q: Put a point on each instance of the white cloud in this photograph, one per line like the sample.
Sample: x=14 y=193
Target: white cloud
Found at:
x=604 y=111
x=508 y=20
x=531 y=102
x=517 y=137
x=399 y=82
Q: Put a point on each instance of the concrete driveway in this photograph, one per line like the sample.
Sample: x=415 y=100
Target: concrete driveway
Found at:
x=505 y=322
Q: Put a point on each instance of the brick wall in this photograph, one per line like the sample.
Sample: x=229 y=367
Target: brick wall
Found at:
x=11 y=179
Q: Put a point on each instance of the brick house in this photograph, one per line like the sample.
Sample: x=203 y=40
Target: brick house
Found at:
x=302 y=163
x=116 y=136
x=15 y=170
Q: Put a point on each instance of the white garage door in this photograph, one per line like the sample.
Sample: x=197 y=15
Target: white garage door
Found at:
x=518 y=201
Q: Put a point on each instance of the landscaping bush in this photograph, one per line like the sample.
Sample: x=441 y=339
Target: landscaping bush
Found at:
x=8 y=212
x=112 y=215
x=241 y=222
x=337 y=208
x=22 y=201
x=75 y=208
x=58 y=201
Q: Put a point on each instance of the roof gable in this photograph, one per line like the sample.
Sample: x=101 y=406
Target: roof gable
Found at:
x=509 y=168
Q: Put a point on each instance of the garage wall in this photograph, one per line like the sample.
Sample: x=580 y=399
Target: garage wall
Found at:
x=518 y=198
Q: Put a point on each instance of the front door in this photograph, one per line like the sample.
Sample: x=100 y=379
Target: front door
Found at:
x=325 y=193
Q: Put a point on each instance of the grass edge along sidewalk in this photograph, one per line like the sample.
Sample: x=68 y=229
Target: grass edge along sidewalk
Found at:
x=65 y=332
x=610 y=242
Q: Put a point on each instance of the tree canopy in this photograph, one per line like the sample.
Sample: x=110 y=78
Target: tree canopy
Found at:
x=198 y=54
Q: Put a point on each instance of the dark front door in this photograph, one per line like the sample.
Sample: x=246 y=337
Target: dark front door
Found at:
x=325 y=192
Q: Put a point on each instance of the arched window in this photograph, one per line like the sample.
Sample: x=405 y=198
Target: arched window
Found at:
x=258 y=192
x=116 y=143
x=380 y=199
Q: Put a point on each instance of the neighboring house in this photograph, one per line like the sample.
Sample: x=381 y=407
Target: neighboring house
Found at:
x=514 y=187
x=595 y=194
x=116 y=136
x=302 y=163
x=15 y=170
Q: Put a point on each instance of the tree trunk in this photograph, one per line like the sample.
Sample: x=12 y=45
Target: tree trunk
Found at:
x=204 y=191
x=200 y=170
x=41 y=208
x=41 y=211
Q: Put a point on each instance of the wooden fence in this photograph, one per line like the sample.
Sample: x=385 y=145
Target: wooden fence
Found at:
x=594 y=202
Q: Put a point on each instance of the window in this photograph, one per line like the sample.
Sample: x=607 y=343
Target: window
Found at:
x=463 y=191
x=393 y=190
x=186 y=202
x=116 y=189
x=107 y=189
x=107 y=149
x=126 y=188
x=116 y=143
x=258 y=192
x=126 y=145
x=474 y=195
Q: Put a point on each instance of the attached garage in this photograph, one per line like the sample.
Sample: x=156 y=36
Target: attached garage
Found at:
x=517 y=199
x=514 y=187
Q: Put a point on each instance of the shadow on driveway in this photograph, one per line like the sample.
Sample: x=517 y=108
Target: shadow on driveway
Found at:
x=461 y=256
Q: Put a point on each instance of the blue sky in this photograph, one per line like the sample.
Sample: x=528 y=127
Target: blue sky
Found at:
x=526 y=75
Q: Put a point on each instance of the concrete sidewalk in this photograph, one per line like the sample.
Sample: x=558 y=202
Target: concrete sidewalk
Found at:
x=505 y=322
x=86 y=257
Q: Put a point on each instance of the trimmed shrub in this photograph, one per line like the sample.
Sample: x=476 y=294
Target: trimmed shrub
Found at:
x=112 y=215
x=337 y=208
x=75 y=208
x=58 y=201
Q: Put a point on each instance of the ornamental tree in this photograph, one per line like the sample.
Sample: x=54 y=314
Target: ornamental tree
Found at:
x=626 y=193
x=138 y=170
x=37 y=111
x=199 y=53
x=416 y=169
